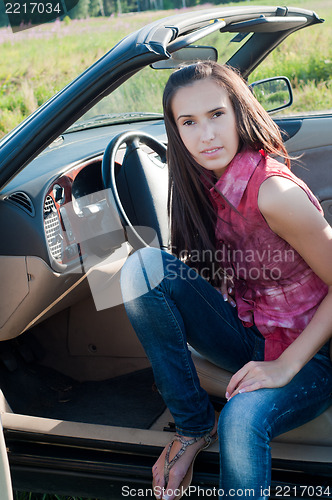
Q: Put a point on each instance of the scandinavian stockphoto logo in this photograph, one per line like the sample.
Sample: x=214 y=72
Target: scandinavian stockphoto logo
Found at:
x=24 y=14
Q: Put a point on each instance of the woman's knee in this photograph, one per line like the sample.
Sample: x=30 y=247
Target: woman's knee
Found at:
x=242 y=420
x=142 y=271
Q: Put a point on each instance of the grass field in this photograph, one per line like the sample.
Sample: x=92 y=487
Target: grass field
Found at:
x=38 y=62
x=306 y=59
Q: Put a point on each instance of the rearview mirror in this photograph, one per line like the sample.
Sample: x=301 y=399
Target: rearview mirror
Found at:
x=187 y=55
x=273 y=93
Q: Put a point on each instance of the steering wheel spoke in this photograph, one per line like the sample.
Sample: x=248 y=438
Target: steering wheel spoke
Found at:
x=139 y=188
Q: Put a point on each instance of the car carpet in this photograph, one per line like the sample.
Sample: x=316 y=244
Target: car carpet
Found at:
x=129 y=400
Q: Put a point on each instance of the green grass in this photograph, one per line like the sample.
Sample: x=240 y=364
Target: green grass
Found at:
x=306 y=59
x=38 y=62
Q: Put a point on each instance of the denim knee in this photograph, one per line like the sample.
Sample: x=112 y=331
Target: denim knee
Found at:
x=142 y=271
x=242 y=424
x=245 y=459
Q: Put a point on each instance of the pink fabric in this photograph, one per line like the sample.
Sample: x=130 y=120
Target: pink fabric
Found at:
x=274 y=287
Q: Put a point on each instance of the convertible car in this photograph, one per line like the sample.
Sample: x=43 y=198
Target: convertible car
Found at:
x=83 y=183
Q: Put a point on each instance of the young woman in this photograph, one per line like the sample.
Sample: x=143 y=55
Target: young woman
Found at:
x=248 y=284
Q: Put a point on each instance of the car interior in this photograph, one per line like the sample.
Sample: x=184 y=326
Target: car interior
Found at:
x=76 y=368
x=78 y=363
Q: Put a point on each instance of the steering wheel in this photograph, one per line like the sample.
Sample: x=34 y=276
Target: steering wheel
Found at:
x=139 y=188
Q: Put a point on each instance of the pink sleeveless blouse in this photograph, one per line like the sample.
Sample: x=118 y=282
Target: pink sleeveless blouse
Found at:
x=275 y=289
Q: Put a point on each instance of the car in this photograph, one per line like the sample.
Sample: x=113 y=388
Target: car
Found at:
x=83 y=183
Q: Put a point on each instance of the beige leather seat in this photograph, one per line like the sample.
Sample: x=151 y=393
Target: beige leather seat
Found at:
x=215 y=380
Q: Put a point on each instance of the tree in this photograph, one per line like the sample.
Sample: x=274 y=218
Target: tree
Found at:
x=81 y=10
x=3 y=16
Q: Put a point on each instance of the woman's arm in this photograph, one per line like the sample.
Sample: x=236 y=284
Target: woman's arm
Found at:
x=290 y=214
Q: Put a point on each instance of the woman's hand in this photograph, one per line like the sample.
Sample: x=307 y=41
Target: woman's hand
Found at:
x=227 y=290
x=258 y=375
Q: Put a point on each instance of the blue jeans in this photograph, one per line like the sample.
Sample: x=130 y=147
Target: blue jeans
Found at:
x=169 y=304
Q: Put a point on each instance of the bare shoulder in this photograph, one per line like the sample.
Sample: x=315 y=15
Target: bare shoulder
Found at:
x=290 y=213
x=285 y=204
x=280 y=192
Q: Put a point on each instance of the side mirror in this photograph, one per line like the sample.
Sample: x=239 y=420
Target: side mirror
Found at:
x=187 y=55
x=273 y=93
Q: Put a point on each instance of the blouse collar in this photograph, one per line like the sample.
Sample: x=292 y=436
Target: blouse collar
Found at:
x=234 y=180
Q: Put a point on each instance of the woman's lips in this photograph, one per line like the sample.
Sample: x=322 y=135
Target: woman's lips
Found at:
x=211 y=151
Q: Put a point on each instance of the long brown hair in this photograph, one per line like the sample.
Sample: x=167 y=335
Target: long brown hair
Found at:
x=191 y=215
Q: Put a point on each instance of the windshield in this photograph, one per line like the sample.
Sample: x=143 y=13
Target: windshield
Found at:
x=142 y=93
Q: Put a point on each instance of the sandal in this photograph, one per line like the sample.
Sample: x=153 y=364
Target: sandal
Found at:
x=186 y=481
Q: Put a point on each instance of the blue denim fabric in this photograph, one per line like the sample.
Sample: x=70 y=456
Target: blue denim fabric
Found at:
x=169 y=304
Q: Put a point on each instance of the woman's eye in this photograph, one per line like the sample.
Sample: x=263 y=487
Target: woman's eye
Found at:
x=217 y=114
x=188 y=122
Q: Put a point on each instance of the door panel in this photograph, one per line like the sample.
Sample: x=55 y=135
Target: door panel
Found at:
x=313 y=143
x=315 y=132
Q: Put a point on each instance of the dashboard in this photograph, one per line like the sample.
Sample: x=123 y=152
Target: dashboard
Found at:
x=47 y=207
x=56 y=223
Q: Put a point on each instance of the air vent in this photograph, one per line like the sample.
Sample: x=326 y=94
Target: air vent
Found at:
x=23 y=201
x=52 y=229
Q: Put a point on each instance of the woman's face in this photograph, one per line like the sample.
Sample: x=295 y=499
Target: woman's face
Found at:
x=206 y=123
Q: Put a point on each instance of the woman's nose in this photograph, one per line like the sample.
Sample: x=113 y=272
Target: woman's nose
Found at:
x=207 y=134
